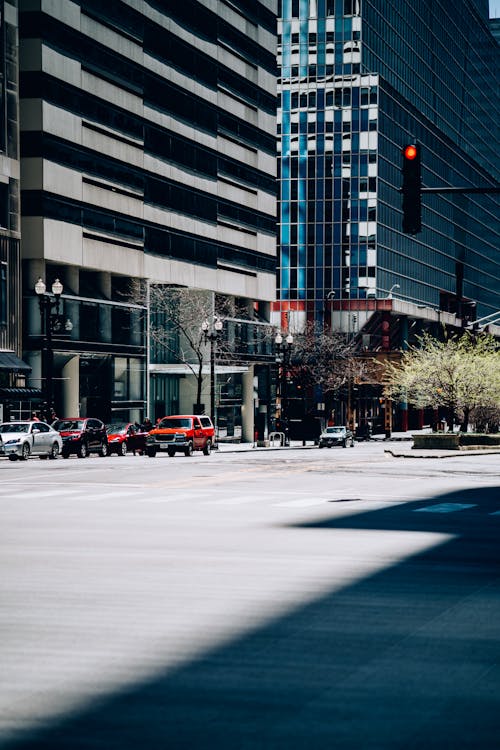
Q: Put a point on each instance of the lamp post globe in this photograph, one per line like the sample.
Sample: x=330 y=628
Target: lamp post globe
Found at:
x=211 y=332
x=282 y=357
x=47 y=303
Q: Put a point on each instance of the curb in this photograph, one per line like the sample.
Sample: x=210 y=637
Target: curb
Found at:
x=434 y=454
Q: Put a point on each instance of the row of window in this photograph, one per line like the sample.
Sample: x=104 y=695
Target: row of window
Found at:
x=156 y=91
x=161 y=192
x=314 y=72
x=294 y=8
x=165 y=242
x=339 y=97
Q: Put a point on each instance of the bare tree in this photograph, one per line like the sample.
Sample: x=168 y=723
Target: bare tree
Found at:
x=326 y=359
x=176 y=316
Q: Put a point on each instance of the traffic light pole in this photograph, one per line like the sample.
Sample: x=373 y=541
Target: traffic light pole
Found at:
x=412 y=189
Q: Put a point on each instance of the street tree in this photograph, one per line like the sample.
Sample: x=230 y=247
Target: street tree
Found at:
x=175 y=318
x=325 y=359
x=460 y=374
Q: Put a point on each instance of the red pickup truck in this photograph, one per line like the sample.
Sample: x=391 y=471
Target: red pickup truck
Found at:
x=183 y=433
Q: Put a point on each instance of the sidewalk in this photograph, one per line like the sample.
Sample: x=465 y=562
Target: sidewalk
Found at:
x=402 y=449
x=237 y=447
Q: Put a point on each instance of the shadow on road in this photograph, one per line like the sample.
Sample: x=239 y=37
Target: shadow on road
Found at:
x=407 y=658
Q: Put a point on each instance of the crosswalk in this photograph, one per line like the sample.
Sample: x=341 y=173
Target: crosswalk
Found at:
x=212 y=496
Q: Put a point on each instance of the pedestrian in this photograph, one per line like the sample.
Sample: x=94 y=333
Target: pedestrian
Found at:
x=147 y=425
x=34 y=417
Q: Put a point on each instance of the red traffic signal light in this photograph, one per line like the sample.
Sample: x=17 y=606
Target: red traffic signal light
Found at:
x=412 y=185
x=410 y=152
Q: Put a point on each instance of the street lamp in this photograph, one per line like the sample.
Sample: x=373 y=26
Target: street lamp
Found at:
x=283 y=352
x=211 y=333
x=393 y=287
x=51 y=323
x=327 y=307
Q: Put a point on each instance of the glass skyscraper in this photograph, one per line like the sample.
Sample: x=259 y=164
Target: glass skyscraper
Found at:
x=358 y=80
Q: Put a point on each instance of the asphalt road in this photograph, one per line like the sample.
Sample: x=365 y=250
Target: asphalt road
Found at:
x=264 y=600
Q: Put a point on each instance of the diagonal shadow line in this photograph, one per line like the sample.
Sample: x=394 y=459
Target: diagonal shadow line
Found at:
x=406 y=658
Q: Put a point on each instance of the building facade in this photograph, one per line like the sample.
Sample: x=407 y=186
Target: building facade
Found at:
x=13 y=369
x=148 y=153
x=358 y=81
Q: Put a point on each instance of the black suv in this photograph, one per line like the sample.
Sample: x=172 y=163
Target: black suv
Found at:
x=82 y=436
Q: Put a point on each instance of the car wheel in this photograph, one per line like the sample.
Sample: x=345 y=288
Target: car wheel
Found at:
x=188 y=450
x=151 y=452
x=208 y=448
x=12 y=457
x=83 y=451
x=344 y=444
x=171 y=452
x=25 y=451
x=54 y=451
x=104 y=450
x=123 y=449
x=65 y=454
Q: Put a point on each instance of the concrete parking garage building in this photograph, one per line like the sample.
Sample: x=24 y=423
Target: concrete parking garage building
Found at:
x=148 y=152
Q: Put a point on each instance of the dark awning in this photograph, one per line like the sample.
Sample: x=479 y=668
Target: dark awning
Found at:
x=20 y=394
x=9 y=361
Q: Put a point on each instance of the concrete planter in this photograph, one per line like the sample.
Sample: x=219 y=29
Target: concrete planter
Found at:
x=437 y=441
x=468 y=439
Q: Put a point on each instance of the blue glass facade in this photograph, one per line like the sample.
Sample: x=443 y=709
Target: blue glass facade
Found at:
x=358 y=80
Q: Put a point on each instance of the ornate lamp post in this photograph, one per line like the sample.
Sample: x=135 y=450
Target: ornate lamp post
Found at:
x=211 y=332
x=51 y=323
x=283 y=352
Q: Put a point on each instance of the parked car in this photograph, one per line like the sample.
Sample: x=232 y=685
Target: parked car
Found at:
x=22 y=439
x=183 y=433
x=124 y=437
x=82 y=435
x=336 y=435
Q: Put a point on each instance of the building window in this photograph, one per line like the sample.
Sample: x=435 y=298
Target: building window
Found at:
x=3 y=294
x=128 y=379
x=4 y=205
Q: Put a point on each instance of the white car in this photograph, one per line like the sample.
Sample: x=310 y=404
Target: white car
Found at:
x=23 y=439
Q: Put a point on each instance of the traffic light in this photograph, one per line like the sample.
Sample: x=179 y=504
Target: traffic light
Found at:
x=412 y=184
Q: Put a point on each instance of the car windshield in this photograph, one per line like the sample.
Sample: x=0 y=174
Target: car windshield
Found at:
x=334 y=430
x=174 y=423
x=114 y=429
x=14 y=427
x=68 y=424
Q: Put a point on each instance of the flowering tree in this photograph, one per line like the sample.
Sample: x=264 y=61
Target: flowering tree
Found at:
x=461 y=374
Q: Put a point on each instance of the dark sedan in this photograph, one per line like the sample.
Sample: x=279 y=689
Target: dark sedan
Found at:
x=336 y=435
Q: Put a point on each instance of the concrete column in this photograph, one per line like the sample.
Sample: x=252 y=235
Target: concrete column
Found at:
x=71 y=388
x=105 y=284
x=72 y=274
x=34 y=359
x=36 y=270
x=247 y=408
